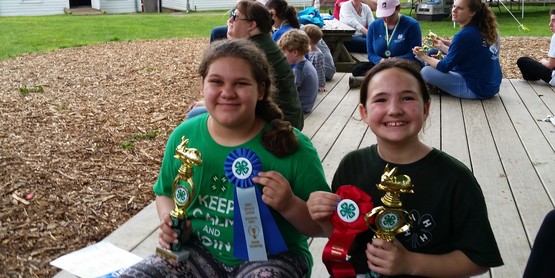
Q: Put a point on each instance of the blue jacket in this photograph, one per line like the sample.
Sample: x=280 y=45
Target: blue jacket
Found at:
x=406 y=36
x=478 y=63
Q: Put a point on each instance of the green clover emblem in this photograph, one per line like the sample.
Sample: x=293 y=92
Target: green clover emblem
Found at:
x=389 y=220
x=347 y=210
x=241 y=167
x=181 y=195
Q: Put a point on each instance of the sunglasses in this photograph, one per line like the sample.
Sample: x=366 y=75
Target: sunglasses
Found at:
x=233 y=16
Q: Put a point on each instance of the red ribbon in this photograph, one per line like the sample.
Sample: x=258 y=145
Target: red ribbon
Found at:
x=335 y=255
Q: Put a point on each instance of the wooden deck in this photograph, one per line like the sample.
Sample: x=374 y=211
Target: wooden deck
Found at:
x=500 y=139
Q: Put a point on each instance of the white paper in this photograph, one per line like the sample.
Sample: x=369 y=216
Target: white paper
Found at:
x=97 y=260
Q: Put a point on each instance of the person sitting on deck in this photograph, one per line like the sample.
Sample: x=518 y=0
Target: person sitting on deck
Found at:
x=357 y=15
x=451 y=235
x=284 y=17
x=337 y=6
x=316 y=56
x=391 y=35
x=294 y=44
x=243 y=124
x=471 y=68
x=542 y=69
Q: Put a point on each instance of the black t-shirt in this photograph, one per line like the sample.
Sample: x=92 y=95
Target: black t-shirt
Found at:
x=447 y=204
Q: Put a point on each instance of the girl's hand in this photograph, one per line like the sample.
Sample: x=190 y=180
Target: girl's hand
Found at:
x=387 y=258
x=321 y=205
x=167 y=235
x=276 y=191
x=322 y=89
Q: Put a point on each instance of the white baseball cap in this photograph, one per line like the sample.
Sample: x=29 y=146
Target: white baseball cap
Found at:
x=386 y=8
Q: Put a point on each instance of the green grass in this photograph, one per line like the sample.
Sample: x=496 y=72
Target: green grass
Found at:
x=536 y=19
x=31 y=34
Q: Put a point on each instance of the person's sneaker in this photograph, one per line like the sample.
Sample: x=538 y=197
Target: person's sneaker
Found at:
x=355 y=81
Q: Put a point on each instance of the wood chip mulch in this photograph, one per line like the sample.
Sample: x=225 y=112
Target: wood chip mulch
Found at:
x=82 y=133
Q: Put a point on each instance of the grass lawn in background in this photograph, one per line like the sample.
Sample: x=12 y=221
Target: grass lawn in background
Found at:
x=31 y=34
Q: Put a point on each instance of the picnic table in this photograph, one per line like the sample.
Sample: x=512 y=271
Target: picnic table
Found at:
x=335 y=34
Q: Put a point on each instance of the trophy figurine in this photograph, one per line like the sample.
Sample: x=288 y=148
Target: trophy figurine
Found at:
x=428 y=43
x=391 y=219
x=182 y=194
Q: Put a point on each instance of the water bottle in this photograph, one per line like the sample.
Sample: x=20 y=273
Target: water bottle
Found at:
x=317 y=4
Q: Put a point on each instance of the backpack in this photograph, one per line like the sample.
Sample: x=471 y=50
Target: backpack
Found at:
x=311 y=15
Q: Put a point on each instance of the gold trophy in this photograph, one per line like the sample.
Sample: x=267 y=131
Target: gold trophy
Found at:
x=182 y=194
x=428 y=43
x=391 y=219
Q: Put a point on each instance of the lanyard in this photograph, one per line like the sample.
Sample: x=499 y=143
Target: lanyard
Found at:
x=387 y=37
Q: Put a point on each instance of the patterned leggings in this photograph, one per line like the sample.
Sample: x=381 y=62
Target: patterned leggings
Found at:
x=201 y=264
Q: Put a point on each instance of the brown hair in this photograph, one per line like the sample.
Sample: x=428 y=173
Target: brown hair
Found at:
x=313 y=32
x=403 y=64
x=255 y=11
x=485 y=19
x=285 y=11
x=294 y=39
x=280 y=140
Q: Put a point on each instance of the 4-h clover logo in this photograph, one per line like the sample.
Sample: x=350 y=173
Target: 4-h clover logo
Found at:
x=389 y=221
x=218 y=184
x=242 y=168
x=181 y=196
x=421 y=233
x=348 y=210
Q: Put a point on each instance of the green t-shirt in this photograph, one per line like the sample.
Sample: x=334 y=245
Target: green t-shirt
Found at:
x=211 y=211
x=447 y=203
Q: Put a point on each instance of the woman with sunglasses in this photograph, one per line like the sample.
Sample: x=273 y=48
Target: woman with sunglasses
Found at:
x=220 y=32
x=252 y=20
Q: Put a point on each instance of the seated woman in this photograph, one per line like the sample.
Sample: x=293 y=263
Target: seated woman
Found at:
x=391 y=35
x=284 y=16
x=220 y=32
x=471 y=68
x=357 y=15
x=337 y=6
x=542 y=69
x=237 y=84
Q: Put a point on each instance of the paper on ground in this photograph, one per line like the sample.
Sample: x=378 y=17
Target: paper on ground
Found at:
x=96 y=260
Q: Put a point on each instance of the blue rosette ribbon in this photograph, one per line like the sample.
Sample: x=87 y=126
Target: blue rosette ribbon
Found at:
x=255 y=233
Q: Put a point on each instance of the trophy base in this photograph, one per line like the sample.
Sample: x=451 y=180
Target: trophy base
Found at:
x=171 y=255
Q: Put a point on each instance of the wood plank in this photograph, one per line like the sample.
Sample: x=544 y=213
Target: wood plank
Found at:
x=453 y=132
x=148 y=246
x=330 y=85
x=489 y=172
x=324 y=109
x=522 y=107
x=317 y=249
x=335 y=124
x=349 y=140
x=431 y=131
x=360 y=57
x=132 y=233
